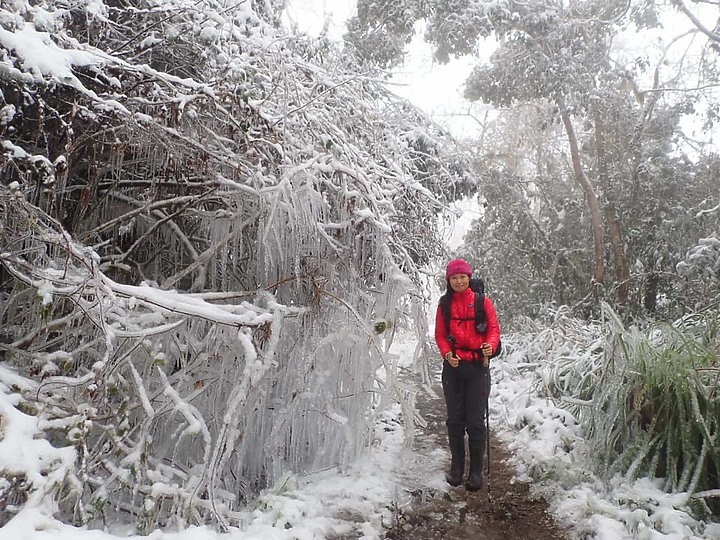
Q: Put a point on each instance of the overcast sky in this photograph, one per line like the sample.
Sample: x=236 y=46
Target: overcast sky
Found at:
x=437 y=89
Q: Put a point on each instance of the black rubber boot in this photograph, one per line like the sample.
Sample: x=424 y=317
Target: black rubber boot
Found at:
x=477 y=453
x=457 y=465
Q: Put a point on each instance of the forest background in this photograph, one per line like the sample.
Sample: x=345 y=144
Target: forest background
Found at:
x=212 y=228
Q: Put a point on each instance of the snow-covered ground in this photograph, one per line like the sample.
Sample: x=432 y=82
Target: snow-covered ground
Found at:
x=358 y=502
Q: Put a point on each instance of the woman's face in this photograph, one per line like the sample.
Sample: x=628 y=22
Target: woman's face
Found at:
x=459 y=282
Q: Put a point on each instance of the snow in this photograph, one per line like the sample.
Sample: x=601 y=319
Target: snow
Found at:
x=43 y=58
x=333 y=503
x=7 y=113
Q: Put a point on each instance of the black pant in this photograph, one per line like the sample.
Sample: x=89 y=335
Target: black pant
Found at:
x=466 y=389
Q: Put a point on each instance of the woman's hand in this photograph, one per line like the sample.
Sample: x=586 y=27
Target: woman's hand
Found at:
x=452 y=360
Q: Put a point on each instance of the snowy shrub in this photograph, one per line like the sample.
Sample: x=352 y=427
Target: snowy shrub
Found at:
x=203 y=220
x=701 y=269
x=656 y=407
x=645 y=400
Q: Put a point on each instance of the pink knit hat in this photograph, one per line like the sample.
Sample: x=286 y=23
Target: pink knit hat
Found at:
x=458 y=266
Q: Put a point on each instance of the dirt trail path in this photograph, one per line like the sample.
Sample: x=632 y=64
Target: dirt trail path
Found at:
x=459 y=514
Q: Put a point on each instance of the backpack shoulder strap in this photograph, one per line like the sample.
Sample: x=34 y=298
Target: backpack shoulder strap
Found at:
x=481 y=318
x=480 y=315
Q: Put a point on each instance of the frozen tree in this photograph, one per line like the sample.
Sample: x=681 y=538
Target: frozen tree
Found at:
x=206 y=226
x=635 y=170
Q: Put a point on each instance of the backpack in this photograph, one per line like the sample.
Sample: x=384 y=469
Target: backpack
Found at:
x=477 y=285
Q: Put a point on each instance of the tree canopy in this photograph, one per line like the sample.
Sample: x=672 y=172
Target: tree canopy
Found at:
x=588 y=169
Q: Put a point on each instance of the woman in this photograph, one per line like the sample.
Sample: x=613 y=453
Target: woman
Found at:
x=466 y=349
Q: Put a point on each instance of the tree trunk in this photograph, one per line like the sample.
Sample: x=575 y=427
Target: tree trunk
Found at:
x=639 y=175
x=592 y=203
x=652 y=283
x=622 y=273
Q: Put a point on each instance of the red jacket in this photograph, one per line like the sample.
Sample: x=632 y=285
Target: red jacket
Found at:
x=462 y=326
